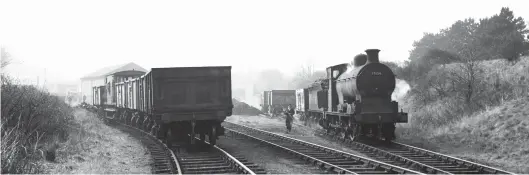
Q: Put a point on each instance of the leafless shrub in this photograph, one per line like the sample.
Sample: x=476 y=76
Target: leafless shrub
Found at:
x=31 y=120
x=305 y=76
x=453 y=91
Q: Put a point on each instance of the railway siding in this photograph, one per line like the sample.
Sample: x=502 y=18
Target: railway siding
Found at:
x=215 y=160
x=325 y=158
x=419 y=159
x=205 y=160
x=481 y=168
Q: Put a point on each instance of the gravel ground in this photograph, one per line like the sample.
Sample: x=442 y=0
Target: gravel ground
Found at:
x=299 y=131
x=95 y=148
x=272 y=160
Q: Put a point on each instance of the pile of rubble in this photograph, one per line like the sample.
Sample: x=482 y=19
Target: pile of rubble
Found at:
x=241 y=108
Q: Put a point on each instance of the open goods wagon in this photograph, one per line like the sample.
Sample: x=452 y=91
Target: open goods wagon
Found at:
x=278 y=100
x=174 y=102
x=265 y=104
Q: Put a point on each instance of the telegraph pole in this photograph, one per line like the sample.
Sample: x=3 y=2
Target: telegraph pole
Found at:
x=44 y=84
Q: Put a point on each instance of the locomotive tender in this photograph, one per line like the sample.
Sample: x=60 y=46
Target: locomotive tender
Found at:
x=171 y=103
x=354 y=101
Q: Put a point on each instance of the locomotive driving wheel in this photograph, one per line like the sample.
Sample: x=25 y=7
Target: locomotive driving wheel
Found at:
x=356 y=132
x=343 y=134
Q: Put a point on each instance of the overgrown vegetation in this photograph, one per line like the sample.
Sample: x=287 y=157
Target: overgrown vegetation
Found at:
x=459 y=74
x=306 y=76
x=466 y=68
x=32 y=123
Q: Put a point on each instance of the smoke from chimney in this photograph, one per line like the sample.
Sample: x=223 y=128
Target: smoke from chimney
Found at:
x=360 y=60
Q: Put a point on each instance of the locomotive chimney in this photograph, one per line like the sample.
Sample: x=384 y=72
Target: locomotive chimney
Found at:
x=372 y=55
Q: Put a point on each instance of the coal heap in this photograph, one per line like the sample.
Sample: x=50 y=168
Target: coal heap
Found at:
x=241 y=108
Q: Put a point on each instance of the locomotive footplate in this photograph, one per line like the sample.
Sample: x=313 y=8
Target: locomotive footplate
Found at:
x=374 y=117
x=339 y=114
x=381 y=118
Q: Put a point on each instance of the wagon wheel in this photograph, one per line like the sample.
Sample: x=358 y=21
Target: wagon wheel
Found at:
x=213 y=136
x=192 y=138
x=132 y=119
x=203 y=137
x=154 y=129
x=145 y=122
x=168 y=137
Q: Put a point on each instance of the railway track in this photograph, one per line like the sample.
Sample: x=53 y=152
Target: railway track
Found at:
x=333 y=161
x=422 y=160
x=206 y=160
x=164 y=159
x=215 y=161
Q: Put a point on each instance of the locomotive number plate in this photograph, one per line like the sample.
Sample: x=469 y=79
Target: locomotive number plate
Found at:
x=376 y=73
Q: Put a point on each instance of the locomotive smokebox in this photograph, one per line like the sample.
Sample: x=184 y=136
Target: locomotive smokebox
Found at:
x=372 y=55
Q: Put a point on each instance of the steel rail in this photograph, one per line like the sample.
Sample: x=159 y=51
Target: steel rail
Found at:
x=173 y=156
x=479 y=167
x=232 y=159
x=314 y=160
x=423 y=167
x=364 y=159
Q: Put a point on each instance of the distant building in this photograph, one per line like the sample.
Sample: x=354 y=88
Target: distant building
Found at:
x=103 y=76
x=62 y=89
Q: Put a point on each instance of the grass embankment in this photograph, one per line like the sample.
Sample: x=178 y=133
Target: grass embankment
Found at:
x=42 y=134
x=94 y=147
x=493 y=129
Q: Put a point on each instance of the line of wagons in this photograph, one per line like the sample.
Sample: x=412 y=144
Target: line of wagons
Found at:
x=171 y=103
x=353 y=101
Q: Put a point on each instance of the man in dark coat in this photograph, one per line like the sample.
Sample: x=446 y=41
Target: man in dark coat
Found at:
x=289 y=117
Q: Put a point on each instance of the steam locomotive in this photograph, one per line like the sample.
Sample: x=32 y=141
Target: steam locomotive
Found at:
x=354 y=101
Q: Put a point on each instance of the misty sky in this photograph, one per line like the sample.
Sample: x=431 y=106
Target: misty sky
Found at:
x=73 y=38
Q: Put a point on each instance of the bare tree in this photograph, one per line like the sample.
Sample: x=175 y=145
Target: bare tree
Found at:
x=464 y=81
x=5 y=60
x=306 y=75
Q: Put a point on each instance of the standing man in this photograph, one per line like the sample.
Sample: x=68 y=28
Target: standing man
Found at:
x=289 y=117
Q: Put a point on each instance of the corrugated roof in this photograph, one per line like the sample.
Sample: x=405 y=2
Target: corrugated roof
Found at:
x=113 y=69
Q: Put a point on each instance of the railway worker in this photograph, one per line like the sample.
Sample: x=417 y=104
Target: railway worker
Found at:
x=289 y=117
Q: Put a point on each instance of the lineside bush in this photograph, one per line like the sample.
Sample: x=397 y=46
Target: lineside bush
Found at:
x=33 y=122
x=440 y=117
x=442 y=99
